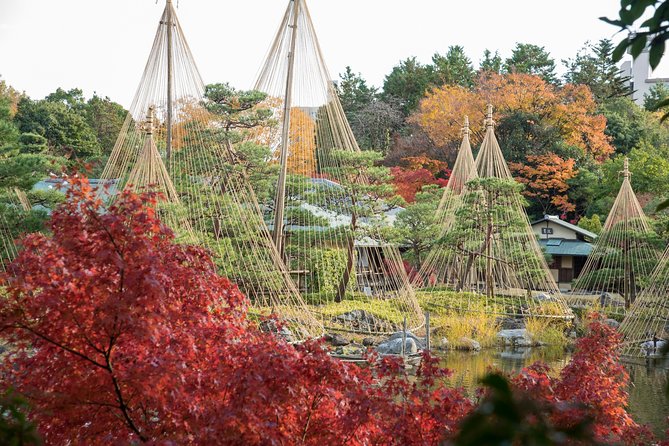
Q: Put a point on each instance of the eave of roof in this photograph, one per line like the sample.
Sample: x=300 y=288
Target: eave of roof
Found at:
x=555 y=219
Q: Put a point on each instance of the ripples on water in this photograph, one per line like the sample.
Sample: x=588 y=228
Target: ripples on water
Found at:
x=648 y=402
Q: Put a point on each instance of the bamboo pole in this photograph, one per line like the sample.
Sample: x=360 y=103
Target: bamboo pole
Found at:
x=427 y=331
x=170 y=80
x=279 y=205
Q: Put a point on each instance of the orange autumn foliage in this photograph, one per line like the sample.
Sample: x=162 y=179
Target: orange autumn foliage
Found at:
x=441 y=113
x=545 y=178
x=571 y=110
x=302 y=147
x=302 y=140
x=432 y=165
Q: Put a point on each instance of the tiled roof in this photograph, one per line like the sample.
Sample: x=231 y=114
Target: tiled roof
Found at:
x=560 y=247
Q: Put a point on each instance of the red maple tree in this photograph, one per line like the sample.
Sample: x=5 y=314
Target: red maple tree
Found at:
x=122 y=336
x=416 y=172
x=592 y=386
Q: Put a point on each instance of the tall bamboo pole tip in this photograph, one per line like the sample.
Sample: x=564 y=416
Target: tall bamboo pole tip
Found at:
x=626 y=168
x=150 y=119
x=488 y=116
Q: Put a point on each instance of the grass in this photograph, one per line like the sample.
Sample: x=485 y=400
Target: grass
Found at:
x=453 y=315
x=548 y=331
x=389 y=311
x=452 y=324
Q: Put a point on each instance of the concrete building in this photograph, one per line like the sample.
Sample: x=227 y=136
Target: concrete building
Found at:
x=567 y=244
x=639 y=74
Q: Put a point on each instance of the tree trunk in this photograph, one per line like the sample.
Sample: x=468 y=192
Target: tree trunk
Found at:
x=416 y=251
x=350 y=253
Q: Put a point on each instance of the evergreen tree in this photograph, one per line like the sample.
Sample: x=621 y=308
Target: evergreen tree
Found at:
x=369 y=194
x=484 y=237
x=354 y=93
x=106 y=119
x=455 y=68
x=407 y=83
x=416 y=226
x=491 y=62
x=62 y=121
x=625 y=261
x=592 y=224
x=654 y=98
x=594 y=66
x=531 y=59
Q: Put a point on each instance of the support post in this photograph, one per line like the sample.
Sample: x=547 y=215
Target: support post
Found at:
x=279 y=204
x=427 y=331
x=490 y=293
x=170 y=80
x=404 y=336
x=628 y=292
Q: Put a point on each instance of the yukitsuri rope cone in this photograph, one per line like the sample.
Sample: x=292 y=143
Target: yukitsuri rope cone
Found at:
x=327 y=215
x=464 y=170
x=623 y=259
x=178 y=151
x=488 y=260
x=8 y=249
x=645 y=328
x=23 y=200
x=149 y=171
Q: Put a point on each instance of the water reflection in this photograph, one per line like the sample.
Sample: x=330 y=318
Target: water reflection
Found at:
x=649 y=403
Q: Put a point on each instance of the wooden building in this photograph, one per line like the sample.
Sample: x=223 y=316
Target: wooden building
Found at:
x=567 y=245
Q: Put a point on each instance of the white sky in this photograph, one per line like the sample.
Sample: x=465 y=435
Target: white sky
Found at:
x=102 y=46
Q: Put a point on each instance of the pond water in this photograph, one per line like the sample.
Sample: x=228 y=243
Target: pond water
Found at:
x=649 y=403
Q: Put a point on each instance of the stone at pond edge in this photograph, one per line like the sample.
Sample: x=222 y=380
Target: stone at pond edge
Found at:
x=336 y=340
x=443 y=344
x=398 y=335
x=468 y=344
x=394 y=347
x=368 y=342
x=518 y=338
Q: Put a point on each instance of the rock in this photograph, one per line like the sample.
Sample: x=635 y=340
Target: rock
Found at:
x=443 y=344
x=612 y=323
x=605 y=300
x=364 y=321
x=468 y=344
x=286 y=334
x=653 y=347
x=368 y=342
x=394 y=347
x=398 y=335
x=351 y=350
x=511 y=323
x=270 y=326
x=336 y=340
x=517 y=338
x=544 y=297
